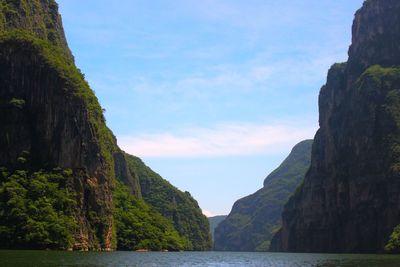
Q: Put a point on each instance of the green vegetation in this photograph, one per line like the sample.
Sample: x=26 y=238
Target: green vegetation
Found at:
x=140 y=227
x=66 y=69
x=36 y=210
x=34 y=27
x=38 y=17
x=378 y=73
x=179 y=207
x=254 y=219
x=30 y=24
x=76 y=90
x=388 y=79
x=394 y=241
x=17 y=103
x=384 y=82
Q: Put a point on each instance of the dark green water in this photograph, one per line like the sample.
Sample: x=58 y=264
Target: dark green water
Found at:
x=207 y=259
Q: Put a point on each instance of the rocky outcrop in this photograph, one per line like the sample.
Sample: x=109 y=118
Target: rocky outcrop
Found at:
x=255 y=218
x=350 y=199
x=125 y=175
x=375 y=37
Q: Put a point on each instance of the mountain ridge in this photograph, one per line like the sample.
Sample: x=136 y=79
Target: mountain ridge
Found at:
x=254 y=218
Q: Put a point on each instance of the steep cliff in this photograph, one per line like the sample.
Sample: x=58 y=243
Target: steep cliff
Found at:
x=214 y=222
x=54 y=142
x=350 y=199
x=179 y=207
x=50 y=114
x=255 y=218
x=39 y=17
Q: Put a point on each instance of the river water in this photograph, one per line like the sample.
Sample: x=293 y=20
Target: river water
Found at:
x=189 y=259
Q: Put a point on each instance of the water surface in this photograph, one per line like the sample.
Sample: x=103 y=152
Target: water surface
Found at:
x=189 y=259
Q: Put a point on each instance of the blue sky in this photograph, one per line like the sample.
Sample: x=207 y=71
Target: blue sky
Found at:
x=211 y=94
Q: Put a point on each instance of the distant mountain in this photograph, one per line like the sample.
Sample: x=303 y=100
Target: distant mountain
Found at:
x=255 y=218
x=214 y=221
x=350 y=198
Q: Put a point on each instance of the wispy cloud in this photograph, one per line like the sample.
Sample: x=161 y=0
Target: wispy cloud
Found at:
x=258 y=74
x=221 y=140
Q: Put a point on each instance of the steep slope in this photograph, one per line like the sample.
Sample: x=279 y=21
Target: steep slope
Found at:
x=59 y=163
x=50 y=115
x=179 y=207
x=214 y=222
x=39 y=17
x=140 y=226
x=350 y=199
x=255 y=218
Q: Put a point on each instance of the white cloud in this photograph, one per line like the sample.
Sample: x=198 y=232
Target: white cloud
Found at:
x=208 y=213
x=222 y=140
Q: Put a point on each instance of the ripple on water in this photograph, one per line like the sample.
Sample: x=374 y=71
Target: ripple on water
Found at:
x=191 y=259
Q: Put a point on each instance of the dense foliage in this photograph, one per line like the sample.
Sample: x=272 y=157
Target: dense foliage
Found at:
x=76 y=90
x=36 y=209
x=179 y=207
x=34 y=28
x=394 y=241
x=140 y=227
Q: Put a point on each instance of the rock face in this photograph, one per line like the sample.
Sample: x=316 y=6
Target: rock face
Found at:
x=255 y=218
x=350 y=199
x=51 y=120
x=214 y=222
x=40 y=17
x=50 y=113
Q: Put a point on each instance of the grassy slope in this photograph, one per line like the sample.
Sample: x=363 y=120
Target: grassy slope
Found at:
x=179 y=207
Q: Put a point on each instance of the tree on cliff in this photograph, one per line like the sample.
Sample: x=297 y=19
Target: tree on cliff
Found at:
x=394 y=241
